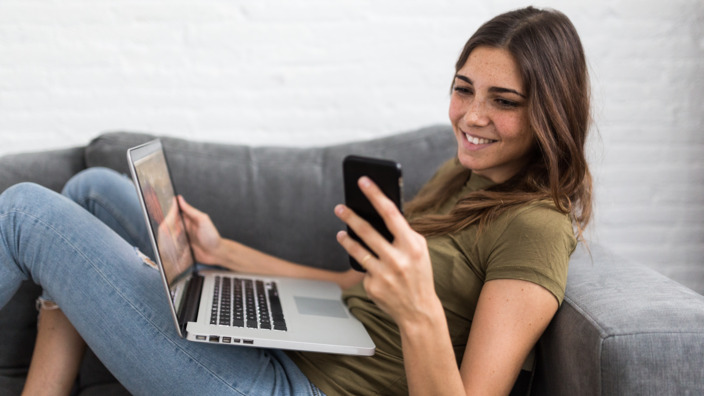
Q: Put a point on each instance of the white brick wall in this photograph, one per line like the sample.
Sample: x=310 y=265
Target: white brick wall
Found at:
x=311 y=72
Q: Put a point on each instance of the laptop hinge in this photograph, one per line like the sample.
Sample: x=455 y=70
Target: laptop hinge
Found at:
x=191 y=303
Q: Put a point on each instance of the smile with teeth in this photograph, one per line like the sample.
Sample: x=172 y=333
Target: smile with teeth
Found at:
x=476 y=140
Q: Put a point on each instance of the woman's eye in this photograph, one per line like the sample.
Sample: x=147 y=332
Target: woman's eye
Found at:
x=463 y=90
x=506 y=103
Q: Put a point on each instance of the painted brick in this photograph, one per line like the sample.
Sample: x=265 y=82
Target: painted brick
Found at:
x=315 y=72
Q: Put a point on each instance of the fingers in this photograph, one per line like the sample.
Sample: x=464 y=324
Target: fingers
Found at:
x=365 y=231
x=186 y=208
x=171 y=215
x=406 y=241
x=388 y=211
x=193 y=217
x=356 y=250
x=189 y=211
x=197 y=221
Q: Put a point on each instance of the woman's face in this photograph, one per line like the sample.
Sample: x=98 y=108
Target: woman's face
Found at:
x=489 y=114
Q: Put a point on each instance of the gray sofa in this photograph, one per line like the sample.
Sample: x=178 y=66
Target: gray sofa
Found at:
x=623 y=329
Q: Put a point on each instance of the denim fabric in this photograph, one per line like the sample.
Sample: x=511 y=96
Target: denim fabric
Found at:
x=113 y=200
x=114 y=300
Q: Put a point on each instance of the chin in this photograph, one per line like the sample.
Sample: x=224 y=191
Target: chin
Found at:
x=467 y=161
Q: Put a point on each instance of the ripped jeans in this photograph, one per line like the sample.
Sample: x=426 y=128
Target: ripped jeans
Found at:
x=86 y=258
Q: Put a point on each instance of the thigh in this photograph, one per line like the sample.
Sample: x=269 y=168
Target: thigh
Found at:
x=111 y=197
x=119 y=306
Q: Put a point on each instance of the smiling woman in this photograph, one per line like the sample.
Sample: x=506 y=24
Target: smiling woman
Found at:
x=485 y=255
x=489 y=115
x=520 y=109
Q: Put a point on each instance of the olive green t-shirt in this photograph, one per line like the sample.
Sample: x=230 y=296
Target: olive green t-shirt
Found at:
x=531 y=243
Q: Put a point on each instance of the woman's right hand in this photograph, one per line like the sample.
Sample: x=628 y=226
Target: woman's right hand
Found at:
x=206 y=241
x=399 y=278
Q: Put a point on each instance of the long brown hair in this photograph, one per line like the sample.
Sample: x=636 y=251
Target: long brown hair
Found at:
x=549 y=54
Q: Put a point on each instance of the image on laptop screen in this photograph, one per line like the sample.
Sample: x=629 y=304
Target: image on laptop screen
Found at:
x=164 y=217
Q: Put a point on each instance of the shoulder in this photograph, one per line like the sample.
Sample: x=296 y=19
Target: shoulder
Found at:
x=533 y=243
x=536 y=220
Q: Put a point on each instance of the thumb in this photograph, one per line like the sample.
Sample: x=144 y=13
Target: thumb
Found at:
x=189 y=210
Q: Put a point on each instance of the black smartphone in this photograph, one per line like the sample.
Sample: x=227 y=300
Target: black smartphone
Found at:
x=385 y=174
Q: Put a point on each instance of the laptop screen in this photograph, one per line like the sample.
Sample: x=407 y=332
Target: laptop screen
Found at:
x=164 y=214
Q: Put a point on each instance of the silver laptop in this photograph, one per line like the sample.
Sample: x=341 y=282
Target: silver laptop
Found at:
x=222 y=307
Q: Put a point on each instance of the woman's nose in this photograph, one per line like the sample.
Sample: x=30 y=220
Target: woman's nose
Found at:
x=476 y=113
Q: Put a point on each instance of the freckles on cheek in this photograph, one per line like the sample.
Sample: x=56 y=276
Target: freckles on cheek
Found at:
x=455 y=110
x=511 y=127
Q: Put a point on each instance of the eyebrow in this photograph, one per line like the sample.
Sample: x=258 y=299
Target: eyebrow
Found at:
x=492 y=89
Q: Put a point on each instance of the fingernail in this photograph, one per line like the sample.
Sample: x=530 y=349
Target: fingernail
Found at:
x=364 y=181
x=339 y=209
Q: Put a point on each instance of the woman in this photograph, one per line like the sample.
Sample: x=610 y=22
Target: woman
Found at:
x=484 y=248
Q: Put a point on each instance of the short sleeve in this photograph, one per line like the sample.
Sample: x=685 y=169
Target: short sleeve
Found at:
x=535 y=246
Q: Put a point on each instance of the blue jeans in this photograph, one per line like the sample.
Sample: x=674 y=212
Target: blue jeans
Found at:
x=87 y=262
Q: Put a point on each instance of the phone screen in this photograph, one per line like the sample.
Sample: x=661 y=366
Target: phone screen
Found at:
x=385 y=174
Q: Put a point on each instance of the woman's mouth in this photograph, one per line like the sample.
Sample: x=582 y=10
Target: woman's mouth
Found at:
x=478 y=140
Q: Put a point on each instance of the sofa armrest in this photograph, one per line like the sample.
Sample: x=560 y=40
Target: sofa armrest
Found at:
x=623 y=329
x=51 y=169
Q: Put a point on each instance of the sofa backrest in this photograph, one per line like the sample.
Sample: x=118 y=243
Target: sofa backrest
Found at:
x=279 y=199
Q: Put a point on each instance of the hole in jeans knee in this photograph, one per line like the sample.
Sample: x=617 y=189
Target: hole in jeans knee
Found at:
x=145 y=259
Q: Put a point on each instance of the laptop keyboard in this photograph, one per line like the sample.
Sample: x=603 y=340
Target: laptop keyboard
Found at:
x=247 y=303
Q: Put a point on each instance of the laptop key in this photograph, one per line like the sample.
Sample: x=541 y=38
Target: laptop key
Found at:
x=277 y=313
x=263 y=306
x=225 y=307
x=214 y=308
x=248 y=303
x=237 y=304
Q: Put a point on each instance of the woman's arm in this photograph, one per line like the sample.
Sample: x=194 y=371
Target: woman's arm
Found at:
x=57 y=355
x=241 y=258
x=210 y=248
x=509 y=318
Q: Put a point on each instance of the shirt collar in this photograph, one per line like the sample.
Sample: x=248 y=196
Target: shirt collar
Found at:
x=478 y=182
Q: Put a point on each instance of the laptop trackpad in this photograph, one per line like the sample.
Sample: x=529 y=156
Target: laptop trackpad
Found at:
x=320 y=307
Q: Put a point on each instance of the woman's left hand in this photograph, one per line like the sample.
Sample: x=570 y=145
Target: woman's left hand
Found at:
x=400 y=280
x=205 y=239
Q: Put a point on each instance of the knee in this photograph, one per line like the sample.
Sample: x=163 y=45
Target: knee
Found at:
x=89 y=182
x=22 y=193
